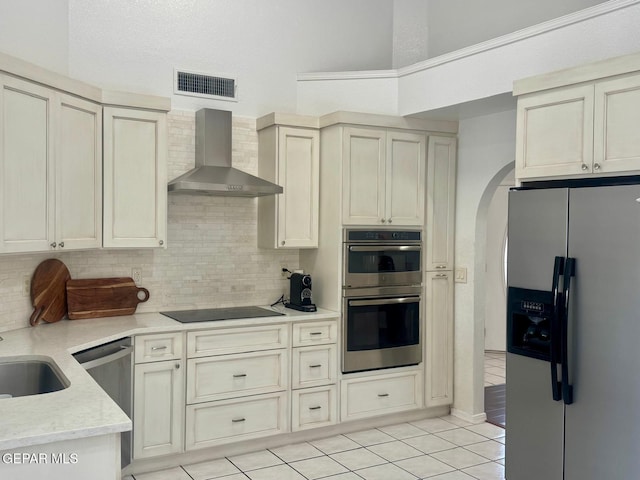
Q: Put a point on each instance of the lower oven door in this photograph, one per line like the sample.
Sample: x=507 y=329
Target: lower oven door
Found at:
x=381 y=333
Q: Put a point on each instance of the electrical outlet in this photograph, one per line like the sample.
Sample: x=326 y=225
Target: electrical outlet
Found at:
x=26 y=285
x=136 y=274
x=461 y=275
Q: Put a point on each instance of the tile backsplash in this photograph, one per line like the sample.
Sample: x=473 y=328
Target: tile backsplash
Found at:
x=212 y=258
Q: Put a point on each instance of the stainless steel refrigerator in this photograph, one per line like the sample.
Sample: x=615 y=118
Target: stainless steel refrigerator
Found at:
x=573 y=333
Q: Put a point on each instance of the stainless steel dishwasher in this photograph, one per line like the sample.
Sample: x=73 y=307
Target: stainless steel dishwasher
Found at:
x=110 y=367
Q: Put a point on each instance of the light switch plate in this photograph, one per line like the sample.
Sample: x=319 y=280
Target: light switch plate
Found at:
x=461 y=275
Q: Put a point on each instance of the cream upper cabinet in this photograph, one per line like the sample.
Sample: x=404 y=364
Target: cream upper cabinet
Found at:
x=439 y=339
x=290 y=157
x=51 y=161
x=135 y=178
x=617 y=116
x=580 y=122
x=441 y=196
x=383 y=177
x=555 y=133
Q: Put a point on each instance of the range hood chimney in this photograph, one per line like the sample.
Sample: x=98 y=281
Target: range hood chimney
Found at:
x=213 y=173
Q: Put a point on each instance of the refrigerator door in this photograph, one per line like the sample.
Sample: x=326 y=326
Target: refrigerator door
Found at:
x=602 y=431
x=537 y=234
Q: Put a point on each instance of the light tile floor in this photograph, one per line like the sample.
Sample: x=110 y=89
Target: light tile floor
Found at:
x=445 y=448
x=494 y=368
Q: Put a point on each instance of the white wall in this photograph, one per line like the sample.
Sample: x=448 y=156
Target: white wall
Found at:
x=410 y=32
x=454 y=24
x=127 y=45
x=486 y=146
x=36 y=31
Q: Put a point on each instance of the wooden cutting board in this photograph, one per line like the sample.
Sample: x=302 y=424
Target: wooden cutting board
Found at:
x=48 y=293
x=103 y=297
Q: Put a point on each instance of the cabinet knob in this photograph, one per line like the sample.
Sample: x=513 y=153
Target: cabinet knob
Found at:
x=61 y=244
x=596 y=166
x=53 y=245
x=584 y=167
x=383 y=220
x=161 y=242
x=177 y=366
x=282 y=242
x=389 y=221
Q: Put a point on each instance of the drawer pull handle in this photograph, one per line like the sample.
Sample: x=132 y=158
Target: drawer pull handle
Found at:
x=164 y=347
x=237 y=420
x=240 y=375
x=318 y=365
x=315 y=333
x=315 y=408
x=383 y=395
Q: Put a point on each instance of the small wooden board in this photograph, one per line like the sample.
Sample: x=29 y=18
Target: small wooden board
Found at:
x=103 y=297
x=48 y=293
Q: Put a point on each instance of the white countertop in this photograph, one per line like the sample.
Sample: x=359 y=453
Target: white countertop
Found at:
x=84 y=409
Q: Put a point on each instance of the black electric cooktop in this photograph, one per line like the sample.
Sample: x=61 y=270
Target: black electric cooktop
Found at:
x=213 y=314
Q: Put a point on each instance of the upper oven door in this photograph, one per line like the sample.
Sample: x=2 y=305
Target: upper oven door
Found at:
x=369 y=265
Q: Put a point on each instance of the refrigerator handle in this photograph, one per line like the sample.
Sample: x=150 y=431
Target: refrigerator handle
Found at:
x=567 y=388
x=556 y=386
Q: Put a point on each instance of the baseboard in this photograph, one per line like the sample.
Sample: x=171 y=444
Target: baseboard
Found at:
x=467 y=417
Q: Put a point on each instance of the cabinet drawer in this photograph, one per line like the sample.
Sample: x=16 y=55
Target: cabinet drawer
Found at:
x=314 y=366
x=315 y=333
x=236 y=340
x=314 y=407
x=158 y=347
x=216 y=423
x=236 y=375
x=369 y=396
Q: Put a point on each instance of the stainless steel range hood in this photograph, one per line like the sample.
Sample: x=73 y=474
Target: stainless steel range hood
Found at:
x=213 y=173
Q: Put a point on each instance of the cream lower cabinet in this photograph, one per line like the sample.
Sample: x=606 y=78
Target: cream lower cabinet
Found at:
x=135 y=178
x=371 y=395
x=580 y=130
x=289 y=157
x=383 y=177
x=237 y=384
x=158 y=395
x=51 y=169
x=439 y=339
x=314 y=375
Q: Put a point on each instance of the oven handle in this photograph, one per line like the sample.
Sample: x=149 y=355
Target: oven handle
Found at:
x=383 y=301
x=377 y=248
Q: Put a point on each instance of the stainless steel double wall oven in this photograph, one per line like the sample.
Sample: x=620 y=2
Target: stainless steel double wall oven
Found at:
x=381 y=299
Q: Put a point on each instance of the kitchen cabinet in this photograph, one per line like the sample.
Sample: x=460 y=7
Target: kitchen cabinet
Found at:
x=383 y=177
x=579 y=131
x=438 y=339
x=135 y=178
x=379 y=394
x=158 y=408
x=237 y=384
x=290 y=157
x=51 y=162
x=441 y=195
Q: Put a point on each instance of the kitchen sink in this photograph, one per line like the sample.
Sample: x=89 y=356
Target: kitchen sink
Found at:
x=23 y=376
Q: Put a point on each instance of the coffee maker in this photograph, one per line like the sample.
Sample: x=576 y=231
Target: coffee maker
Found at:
x=300 y=293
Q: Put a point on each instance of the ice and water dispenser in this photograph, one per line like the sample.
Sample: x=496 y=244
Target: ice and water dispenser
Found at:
x=529 y=325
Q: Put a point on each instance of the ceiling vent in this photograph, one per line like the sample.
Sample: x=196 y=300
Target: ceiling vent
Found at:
x=205 y=86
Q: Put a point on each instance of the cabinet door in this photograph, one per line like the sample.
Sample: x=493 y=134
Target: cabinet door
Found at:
x=617 y=116
x=298 y=173
x=554 y=135
x=135 y=179
x=26 y=166
x=441 y=195
x=405 y=177
x=363 y=194
x=78 y=174
x=439 y=339
x=158 y=408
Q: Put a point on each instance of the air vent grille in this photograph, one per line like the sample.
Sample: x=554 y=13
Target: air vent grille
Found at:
x=197 y=84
